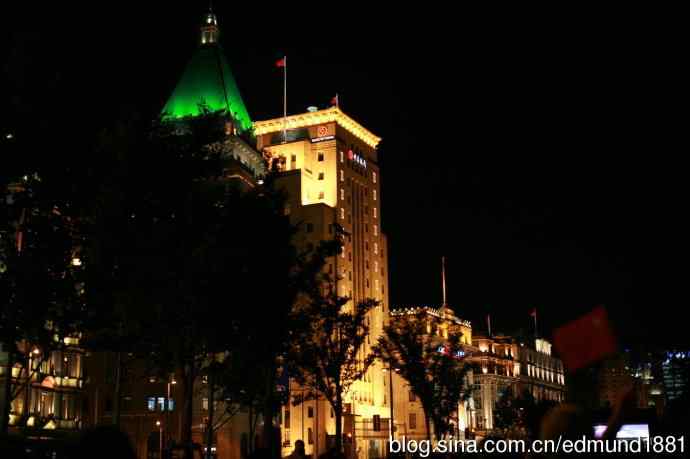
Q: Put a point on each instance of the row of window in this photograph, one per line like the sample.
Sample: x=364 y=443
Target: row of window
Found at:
x=159 y=404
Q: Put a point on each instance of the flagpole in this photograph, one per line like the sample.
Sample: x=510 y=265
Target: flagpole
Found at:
x=284 y=99
x=488 y=321
x=443 y=278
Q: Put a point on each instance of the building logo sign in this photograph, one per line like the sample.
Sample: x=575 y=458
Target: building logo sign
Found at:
x=357 y=158
x=323 y=132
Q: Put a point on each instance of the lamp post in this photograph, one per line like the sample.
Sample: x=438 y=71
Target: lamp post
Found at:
x=160 y=439
x=171 y=381
x=391 y=422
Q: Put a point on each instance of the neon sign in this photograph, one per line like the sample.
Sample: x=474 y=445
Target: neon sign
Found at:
x=356 y=158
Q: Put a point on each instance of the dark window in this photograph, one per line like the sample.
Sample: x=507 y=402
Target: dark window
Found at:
x=310 y=412
x=287 y=418
x=412 y=396
x=310 y=436
x=310 y=227
x=320 y=156
x=320 y=175
x=413 y=421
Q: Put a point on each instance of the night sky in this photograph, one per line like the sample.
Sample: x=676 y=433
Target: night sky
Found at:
x=543 y=162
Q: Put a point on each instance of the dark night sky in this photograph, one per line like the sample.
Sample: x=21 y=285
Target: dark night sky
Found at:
x=541 y=161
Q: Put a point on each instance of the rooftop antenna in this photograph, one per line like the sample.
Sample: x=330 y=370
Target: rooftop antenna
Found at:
x=443 y=281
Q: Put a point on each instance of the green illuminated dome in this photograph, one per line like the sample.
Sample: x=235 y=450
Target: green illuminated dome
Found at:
x=207 y=81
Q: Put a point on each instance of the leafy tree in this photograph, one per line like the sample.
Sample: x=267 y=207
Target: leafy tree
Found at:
x=41 y=285
x=329 y=351
x=192 y=264
x=506 y=411
x=430 y=365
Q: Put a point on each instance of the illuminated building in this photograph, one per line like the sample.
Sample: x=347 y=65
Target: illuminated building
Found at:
x=510 y=365
x=498 y=367
x=331 y=175
x=48 y=387
x=676 y=373
x=407 y=409
x=206 y=85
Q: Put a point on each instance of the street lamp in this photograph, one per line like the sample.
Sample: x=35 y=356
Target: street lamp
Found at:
x=160 y=439
x=391 y=422
x=171 y=381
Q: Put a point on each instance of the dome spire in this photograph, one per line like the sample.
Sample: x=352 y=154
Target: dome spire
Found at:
x=209 y=27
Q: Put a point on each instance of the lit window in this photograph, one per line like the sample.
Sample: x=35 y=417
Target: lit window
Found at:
x=376 y=248
x=342 y=194
x=151 y=403
x=204 y=404
x=373 y=176
x=342 y=213
x=342 y=156
x=376 y=230
x=375 y=213
x=161 y=403
x=342 y=175
x=374 y=194
x=376 y=285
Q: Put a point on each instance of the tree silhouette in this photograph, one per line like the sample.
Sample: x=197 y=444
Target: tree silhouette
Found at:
x=328 y=349
x=430 y=364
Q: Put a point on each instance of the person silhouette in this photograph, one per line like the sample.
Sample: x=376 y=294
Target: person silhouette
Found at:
x=298 y=452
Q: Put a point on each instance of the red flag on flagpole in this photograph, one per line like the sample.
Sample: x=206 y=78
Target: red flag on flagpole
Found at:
x=334 y=100
x=280 y=62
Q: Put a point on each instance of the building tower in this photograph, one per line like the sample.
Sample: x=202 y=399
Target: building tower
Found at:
x=332 y=177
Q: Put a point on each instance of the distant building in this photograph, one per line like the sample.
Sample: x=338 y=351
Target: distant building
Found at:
x=516 y=366
x=47 y=388
x=676 y=371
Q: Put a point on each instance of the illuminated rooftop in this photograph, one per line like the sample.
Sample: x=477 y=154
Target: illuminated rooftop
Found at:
x=328 y=115
x=441 y=313
x=207 y=81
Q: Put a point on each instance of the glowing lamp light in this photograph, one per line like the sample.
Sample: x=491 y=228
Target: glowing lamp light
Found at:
x=36 y=351
x=350 y=155
x=158 y=423
x=76 y=261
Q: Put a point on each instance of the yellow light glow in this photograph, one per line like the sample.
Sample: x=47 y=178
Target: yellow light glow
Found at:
x=328 y=115
x=76 y=261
